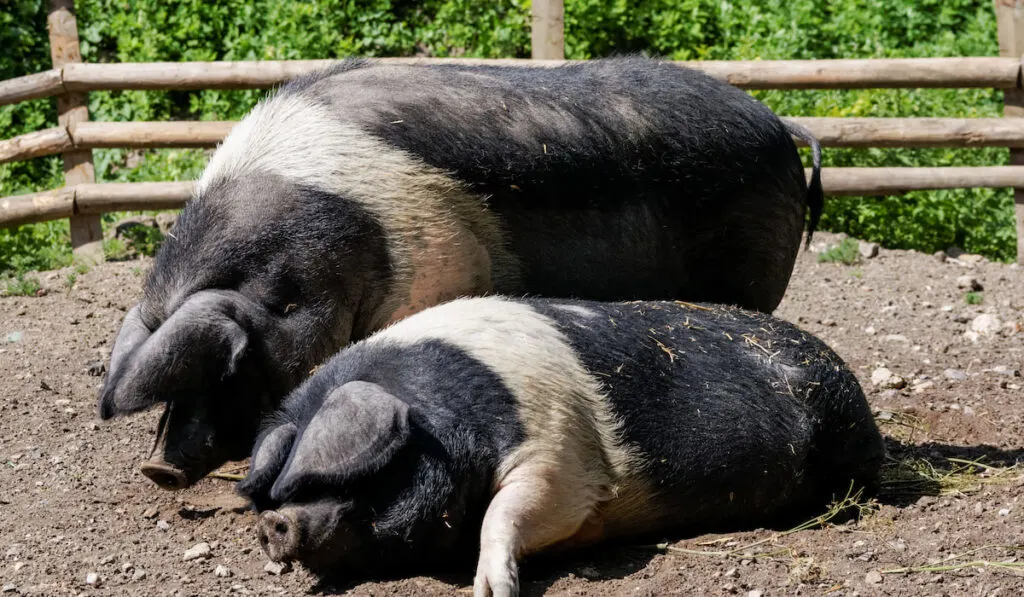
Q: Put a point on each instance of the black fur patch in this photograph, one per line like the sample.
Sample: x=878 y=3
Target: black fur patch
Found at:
x=740 y=417
x=616 y=179
x=427 y=503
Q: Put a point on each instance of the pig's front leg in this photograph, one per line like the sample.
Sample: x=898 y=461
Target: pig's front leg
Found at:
x=532 y=510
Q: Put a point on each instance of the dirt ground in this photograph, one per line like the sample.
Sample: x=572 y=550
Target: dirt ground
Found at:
x=77 y=518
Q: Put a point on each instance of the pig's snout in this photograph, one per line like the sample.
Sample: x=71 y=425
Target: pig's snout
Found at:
x=165 y=475
x=279 y=536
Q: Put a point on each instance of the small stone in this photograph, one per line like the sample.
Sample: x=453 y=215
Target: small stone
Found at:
x=969 y=283
x=163 y=525
x=973 y=336
x=939 y=256
x=896 y=338
x=15 y=337
x=884 y=378
x=979 y=509
x=870 y=330
x=1004 y=370
x=889 y=395
x=924 y=385
x=222 y=571
x=1004 y=512
x=873 y=578
x=868 y=250
x=95 y=368
x=946 y=308
x=197 y=551
x=970 y=258
x=1010 y=328
x=139 y=575
x=150 y=513
x=108 y=559
x=732 y=573
x=19 y=565
x=755 y=593
x=955 y=374
x=986 y=324
x=92 y=579
x=9 y=588
x=277 y=568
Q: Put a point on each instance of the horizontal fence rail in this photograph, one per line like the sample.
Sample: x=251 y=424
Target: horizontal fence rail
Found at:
x=831 y=132
x=145 y=196
x=969 y=72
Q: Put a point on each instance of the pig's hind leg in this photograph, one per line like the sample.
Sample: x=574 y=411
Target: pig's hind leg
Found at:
x=534 y=508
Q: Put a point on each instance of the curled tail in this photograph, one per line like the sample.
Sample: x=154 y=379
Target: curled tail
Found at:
x=815 y=194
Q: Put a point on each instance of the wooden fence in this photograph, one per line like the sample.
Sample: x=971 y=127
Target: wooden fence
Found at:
x=83 y=201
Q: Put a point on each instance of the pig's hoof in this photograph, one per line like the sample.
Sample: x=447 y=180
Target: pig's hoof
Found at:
x=497 y=579
x=165 y=475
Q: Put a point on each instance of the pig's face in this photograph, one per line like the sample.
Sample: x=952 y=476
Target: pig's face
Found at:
x=360 y=485
x=209 y=363
x=261 y=281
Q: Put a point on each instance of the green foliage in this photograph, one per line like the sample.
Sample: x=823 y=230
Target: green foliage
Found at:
x=973 y=298
x=21 y=285
x=846 y=252
x=142 y=240
x=35 y=247
x=977 y=220
x=115 y=249
x=69 y=281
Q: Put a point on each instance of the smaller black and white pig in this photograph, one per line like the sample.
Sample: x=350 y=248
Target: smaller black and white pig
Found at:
x=519 y=426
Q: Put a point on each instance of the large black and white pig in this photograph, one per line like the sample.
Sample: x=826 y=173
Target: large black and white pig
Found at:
x=521 y=426
x=356 y=196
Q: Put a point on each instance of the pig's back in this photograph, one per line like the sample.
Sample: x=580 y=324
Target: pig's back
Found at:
x=712 y=400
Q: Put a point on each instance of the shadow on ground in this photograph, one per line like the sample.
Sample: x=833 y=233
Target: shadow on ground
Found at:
x=932 y=468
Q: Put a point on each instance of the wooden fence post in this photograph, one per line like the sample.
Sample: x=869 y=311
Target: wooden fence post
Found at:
x=1010 y=16
x=547 y=37
x=86 y=230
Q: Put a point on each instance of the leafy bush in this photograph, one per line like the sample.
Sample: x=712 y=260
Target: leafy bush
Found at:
x=973 y=298
x=21 y=285
x=115 y=249
x=977 y=220
x=846 y=252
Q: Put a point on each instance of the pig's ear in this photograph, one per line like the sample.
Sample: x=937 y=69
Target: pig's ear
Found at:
x=356 y=432
x=197 y=346
x=268 y=458
x=132 y=334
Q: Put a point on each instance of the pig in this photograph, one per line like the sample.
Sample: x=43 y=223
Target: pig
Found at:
x=505 y=428
x=361 y=194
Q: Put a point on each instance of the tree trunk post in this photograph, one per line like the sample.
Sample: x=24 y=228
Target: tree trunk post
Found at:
x=1010 y=17
x=547 y=38
x=86 y=230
